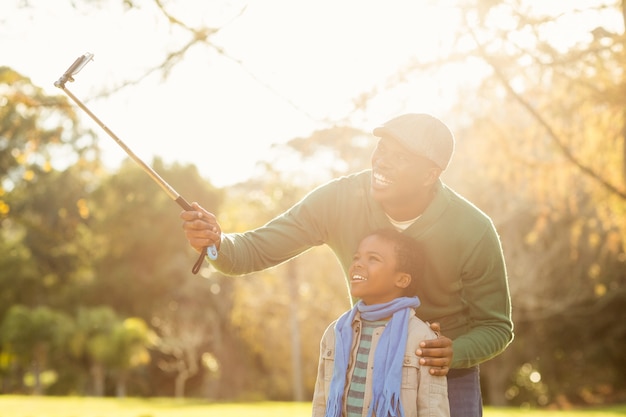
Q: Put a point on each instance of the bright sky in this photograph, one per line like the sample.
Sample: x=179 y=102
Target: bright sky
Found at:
x=316 y=57
x=303 y=64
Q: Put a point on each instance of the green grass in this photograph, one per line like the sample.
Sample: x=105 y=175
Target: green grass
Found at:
x=23 y=406
x=614 y=411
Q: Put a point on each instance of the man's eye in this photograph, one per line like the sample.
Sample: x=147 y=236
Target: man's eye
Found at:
x=402 y=158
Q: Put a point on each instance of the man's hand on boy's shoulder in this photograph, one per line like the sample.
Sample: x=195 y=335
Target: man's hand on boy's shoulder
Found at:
x=436 y=353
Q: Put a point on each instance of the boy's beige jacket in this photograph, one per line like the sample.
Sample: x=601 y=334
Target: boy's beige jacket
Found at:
x=422 y=395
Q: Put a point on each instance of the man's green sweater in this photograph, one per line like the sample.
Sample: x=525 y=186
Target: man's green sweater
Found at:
x=464 y=287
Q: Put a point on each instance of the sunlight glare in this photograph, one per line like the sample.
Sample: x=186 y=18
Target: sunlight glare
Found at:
x=275 y=70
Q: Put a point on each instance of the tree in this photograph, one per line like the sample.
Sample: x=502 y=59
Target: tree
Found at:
x=541 y=128
x=28 y=145
x=548 y=136
x=32 y=336
x=46 y=163
x=44 y=174
x=90 y=343
x=127 y=349
x=308 y=292
x=51 y=219
x=189 y=327
x=143 y=257
x=143 y=265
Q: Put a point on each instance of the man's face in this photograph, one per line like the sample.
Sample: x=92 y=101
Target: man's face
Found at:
x=398 y=175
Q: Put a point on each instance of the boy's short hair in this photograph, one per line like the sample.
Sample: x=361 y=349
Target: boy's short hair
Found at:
x=409 y=256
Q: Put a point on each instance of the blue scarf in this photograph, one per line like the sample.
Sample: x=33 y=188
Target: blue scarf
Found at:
x=388 y=358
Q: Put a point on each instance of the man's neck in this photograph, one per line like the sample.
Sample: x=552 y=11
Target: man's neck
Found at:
x=409 y=210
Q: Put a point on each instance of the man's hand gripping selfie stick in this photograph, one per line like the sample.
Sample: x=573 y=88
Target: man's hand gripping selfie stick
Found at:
x=80 y=62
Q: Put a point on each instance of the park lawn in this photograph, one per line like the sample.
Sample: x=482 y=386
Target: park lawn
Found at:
x=614 y=411
x=26 y=406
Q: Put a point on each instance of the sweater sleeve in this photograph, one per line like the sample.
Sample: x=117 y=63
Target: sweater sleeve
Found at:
x=486 y=293
x=284 y=237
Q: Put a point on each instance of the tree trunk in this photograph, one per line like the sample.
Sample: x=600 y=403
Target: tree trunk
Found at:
x=624 y=83
x=97 y=379
x=179 y=384
x=39 y=361
x=120 y=385
x=296 y=360
x=37 y=390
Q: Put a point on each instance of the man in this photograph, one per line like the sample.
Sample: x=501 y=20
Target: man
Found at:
x=464 y=289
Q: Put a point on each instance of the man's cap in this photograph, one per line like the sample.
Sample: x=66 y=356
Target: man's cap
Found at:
x=422 y=134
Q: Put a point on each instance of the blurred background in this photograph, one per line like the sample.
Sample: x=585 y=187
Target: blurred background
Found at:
x=245 y=107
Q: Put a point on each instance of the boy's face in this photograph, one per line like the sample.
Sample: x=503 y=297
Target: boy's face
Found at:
x=374 y=277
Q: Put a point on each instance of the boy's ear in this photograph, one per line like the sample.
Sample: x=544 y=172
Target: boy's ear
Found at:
x=403 y=280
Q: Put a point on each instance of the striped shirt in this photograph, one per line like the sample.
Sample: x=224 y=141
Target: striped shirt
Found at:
x=356 y=389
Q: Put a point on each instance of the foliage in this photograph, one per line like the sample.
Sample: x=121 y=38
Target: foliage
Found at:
x=89 y=343
x=42 y=236
x=32 y=337
x=37 y=132
x=43 y=213
x=307 y=293
x=54 y=254
x=325 y=154
x=100 y=257
x=551 y=148
x=143 y=267
x=144 y=257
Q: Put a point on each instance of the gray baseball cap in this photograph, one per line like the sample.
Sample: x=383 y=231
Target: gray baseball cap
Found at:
x=422 y=134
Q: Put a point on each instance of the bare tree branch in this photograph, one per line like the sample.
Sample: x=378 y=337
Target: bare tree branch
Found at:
x=199 y=35
x=542 y=121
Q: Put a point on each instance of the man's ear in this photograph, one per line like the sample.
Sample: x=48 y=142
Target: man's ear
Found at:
x=403 y=280
x=432 y=176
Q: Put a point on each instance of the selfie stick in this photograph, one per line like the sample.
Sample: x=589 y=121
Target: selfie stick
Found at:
x=80 y=62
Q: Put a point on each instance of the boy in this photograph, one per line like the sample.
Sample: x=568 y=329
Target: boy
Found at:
x=368 y=366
